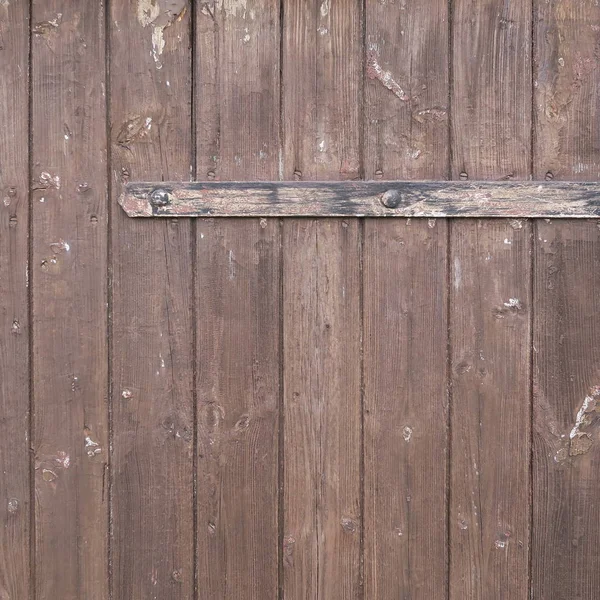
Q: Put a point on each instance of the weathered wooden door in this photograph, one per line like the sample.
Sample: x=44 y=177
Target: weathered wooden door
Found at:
x=296 y=408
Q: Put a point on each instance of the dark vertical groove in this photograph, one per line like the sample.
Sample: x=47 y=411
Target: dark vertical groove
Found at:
x=281 y=415
x=533 y=51
x=361 y=304
x=31 y=420
x=532 y=266
x=109 y=299
x=361 y=301
x=450 y=141
x=194 y=254
x=533 y=226
x=450 y=86
x=449 y=400
x=363 y=107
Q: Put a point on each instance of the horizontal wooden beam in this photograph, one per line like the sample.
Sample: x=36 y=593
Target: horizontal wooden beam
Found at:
x=552 y=200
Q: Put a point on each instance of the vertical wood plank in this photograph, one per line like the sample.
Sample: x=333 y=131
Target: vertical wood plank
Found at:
x=406 y=408
x=322 y=96
x=490 y=307
x=490 y=346
x=566 y=521
x=238 y=296
x=152 y=339
x=14 y=321
x=406 y=90
x=322 y=408
x=491 y=89
x=406 y=412
x=69 y=289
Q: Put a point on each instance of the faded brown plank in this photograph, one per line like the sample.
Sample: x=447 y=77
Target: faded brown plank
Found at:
x=238 y=407
x=489 y=304
x=152 y=328
x=363 y=198
x=69 y=289
x=567 y=375
x=491 y=89
x=567 y=254
x=490 y=348
x=322 y=96
x=406 y=90
x=566 y=94
x=238 y=295
x=14 y=321
x=322 y=408
x=322 y=90
x=406 y=409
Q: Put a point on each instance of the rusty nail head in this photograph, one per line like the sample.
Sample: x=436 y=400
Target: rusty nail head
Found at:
x=159 y=198
x=391 y=198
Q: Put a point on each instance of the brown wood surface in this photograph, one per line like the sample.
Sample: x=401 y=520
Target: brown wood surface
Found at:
x=15 y=506
x=405 y=307
x=566 y=522
x=152 y=553
x=406 y=131
x=238 y=306
x=406 y=408
x=491 y=101
x=322 y=419
x=303 y=408
x=550 y=199
x=322 y=96
x=69 y=294
x=490 y=309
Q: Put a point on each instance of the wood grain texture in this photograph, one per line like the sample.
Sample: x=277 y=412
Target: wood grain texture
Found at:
x=406 y=90
x=406 y=409
x=490 y=347
x=152 y=328
x=565 y=514
x=238 y=304
x=566 y=459
x=566 y=98
x=364 y=198
x=322 y=380
x=406 y=136
x=489 y=303
x=15 y=508
x=322 y=97
x=322 y=90
x=491 y=89
x=238 y=284
x=69 y=290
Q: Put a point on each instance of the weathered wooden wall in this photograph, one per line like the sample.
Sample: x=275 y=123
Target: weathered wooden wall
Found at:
x=297 y=408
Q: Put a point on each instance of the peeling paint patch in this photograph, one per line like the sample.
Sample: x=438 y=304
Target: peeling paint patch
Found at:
x=579 y=441
x=159 y=14
x=46 y=181
x=375 y=71
x=407 y=433
x=91 y=447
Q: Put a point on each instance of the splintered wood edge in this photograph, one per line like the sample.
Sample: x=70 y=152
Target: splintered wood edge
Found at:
x=552 y=200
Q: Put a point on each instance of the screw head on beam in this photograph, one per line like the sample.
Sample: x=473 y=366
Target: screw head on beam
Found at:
x=160 y=197
x=391 y=198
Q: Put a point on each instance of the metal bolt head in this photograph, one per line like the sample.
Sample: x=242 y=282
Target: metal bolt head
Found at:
x=159 y=198
x=391 y=198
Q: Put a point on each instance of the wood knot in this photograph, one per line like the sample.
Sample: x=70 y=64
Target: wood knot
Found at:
x=349 y=525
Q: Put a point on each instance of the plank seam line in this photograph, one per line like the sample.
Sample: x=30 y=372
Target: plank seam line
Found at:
x=31 y=420
x=109 y=299
x=194 y=311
